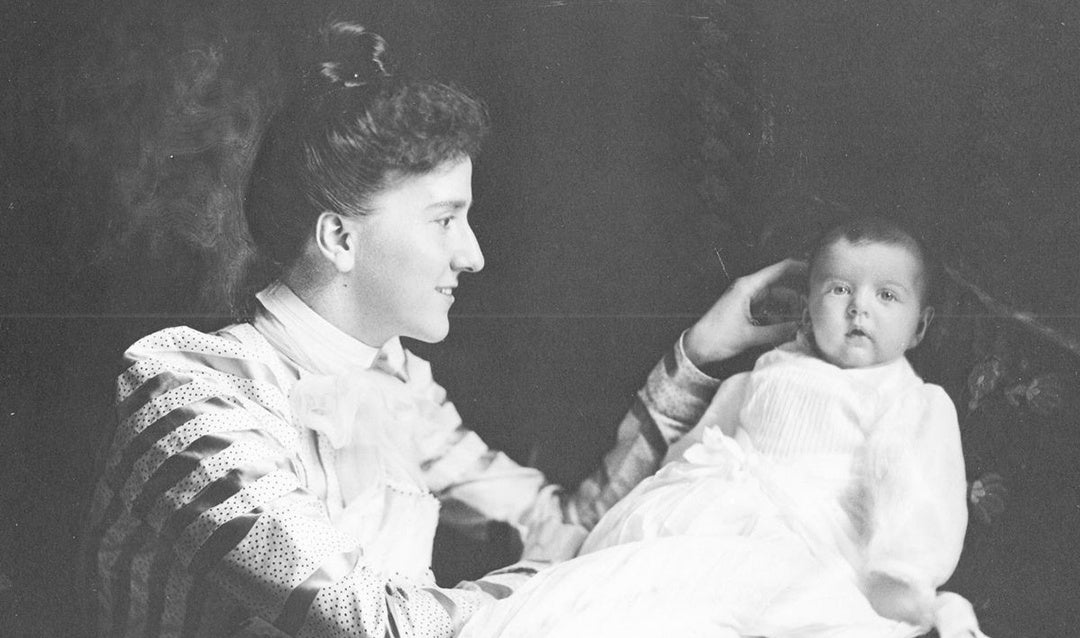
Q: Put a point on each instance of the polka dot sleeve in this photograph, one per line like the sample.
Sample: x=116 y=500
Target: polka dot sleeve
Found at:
x=202 y=524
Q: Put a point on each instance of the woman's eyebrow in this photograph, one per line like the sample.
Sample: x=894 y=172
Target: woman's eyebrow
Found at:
x=450 y=204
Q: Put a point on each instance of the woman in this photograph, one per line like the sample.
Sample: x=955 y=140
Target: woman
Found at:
x=283 y=476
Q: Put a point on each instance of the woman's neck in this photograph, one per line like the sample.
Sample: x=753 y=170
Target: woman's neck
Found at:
x=323 y=291
x=307 y=337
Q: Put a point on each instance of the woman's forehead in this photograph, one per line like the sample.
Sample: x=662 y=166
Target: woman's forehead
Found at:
x=448 y=185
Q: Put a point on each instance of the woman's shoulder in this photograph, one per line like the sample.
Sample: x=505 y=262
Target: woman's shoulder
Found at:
x=176 y=339
x=236 y=361
x=229 y=349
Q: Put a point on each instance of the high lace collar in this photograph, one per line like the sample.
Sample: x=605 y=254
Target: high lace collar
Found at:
x=313 y=343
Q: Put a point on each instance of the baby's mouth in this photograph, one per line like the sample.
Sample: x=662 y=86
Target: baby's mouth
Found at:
x=857 y=332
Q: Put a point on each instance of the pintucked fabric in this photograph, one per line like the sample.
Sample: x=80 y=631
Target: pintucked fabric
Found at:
x=800 y=481
x=281 y=478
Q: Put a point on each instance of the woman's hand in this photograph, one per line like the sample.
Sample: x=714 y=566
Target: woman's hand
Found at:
x=728 y=328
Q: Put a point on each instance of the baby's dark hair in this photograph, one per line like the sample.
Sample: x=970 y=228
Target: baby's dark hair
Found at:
x=353 y=130
x=868 y=229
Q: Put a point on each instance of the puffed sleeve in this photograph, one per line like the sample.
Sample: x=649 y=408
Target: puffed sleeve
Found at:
x=477 y=483
x=201 y=524
x=917 y=505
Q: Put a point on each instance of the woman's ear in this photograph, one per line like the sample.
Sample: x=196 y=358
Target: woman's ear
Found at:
x=335 y=241
x=925 y=318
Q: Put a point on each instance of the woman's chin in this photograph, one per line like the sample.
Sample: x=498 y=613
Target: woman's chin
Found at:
x=432 y=333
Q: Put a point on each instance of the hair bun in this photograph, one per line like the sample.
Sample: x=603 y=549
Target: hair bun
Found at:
x=354 y=55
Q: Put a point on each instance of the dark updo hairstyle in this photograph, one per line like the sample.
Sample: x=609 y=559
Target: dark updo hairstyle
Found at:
x=353 y=130
x=866 y=229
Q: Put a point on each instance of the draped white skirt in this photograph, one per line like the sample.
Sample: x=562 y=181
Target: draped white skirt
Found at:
x=727 y=544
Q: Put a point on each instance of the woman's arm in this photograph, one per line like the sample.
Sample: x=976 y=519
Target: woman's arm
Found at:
x=483 y=484
x=677 y=392
x=553 y=522
x=202 y=516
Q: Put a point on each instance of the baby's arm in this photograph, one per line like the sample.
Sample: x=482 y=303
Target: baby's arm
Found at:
x=918 y=509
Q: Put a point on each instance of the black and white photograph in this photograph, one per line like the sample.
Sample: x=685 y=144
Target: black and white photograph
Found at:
x=540 y=318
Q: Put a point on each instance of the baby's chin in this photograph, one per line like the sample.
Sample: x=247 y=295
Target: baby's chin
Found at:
x=848 y=355
x=857 y=363
x=857 y=358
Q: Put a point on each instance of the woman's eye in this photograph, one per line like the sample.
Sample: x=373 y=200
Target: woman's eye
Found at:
x=444 y=221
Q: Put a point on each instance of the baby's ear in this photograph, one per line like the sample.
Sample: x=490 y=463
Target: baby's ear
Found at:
x=925 y=317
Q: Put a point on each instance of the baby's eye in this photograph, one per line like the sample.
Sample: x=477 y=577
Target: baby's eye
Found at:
x=839 y=289
x=887 y=295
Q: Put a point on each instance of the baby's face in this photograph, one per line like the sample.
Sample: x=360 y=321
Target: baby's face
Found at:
x=865 y=303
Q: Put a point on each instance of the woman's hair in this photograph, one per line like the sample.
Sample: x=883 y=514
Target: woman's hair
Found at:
x=353 y=129
x=866 y=229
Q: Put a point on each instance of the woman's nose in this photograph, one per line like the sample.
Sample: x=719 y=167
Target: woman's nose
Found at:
x=468 y=256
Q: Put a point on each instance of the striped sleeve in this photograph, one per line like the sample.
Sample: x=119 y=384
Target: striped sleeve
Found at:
x=201 y=524
x=675 y=395
x=478 y=484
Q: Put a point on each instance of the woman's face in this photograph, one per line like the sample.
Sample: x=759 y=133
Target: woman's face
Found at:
x=410 y=251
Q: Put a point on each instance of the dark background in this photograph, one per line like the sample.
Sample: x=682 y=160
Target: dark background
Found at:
x=643 y=154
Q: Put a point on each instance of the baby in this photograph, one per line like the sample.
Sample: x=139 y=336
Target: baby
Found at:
x=822 y=494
